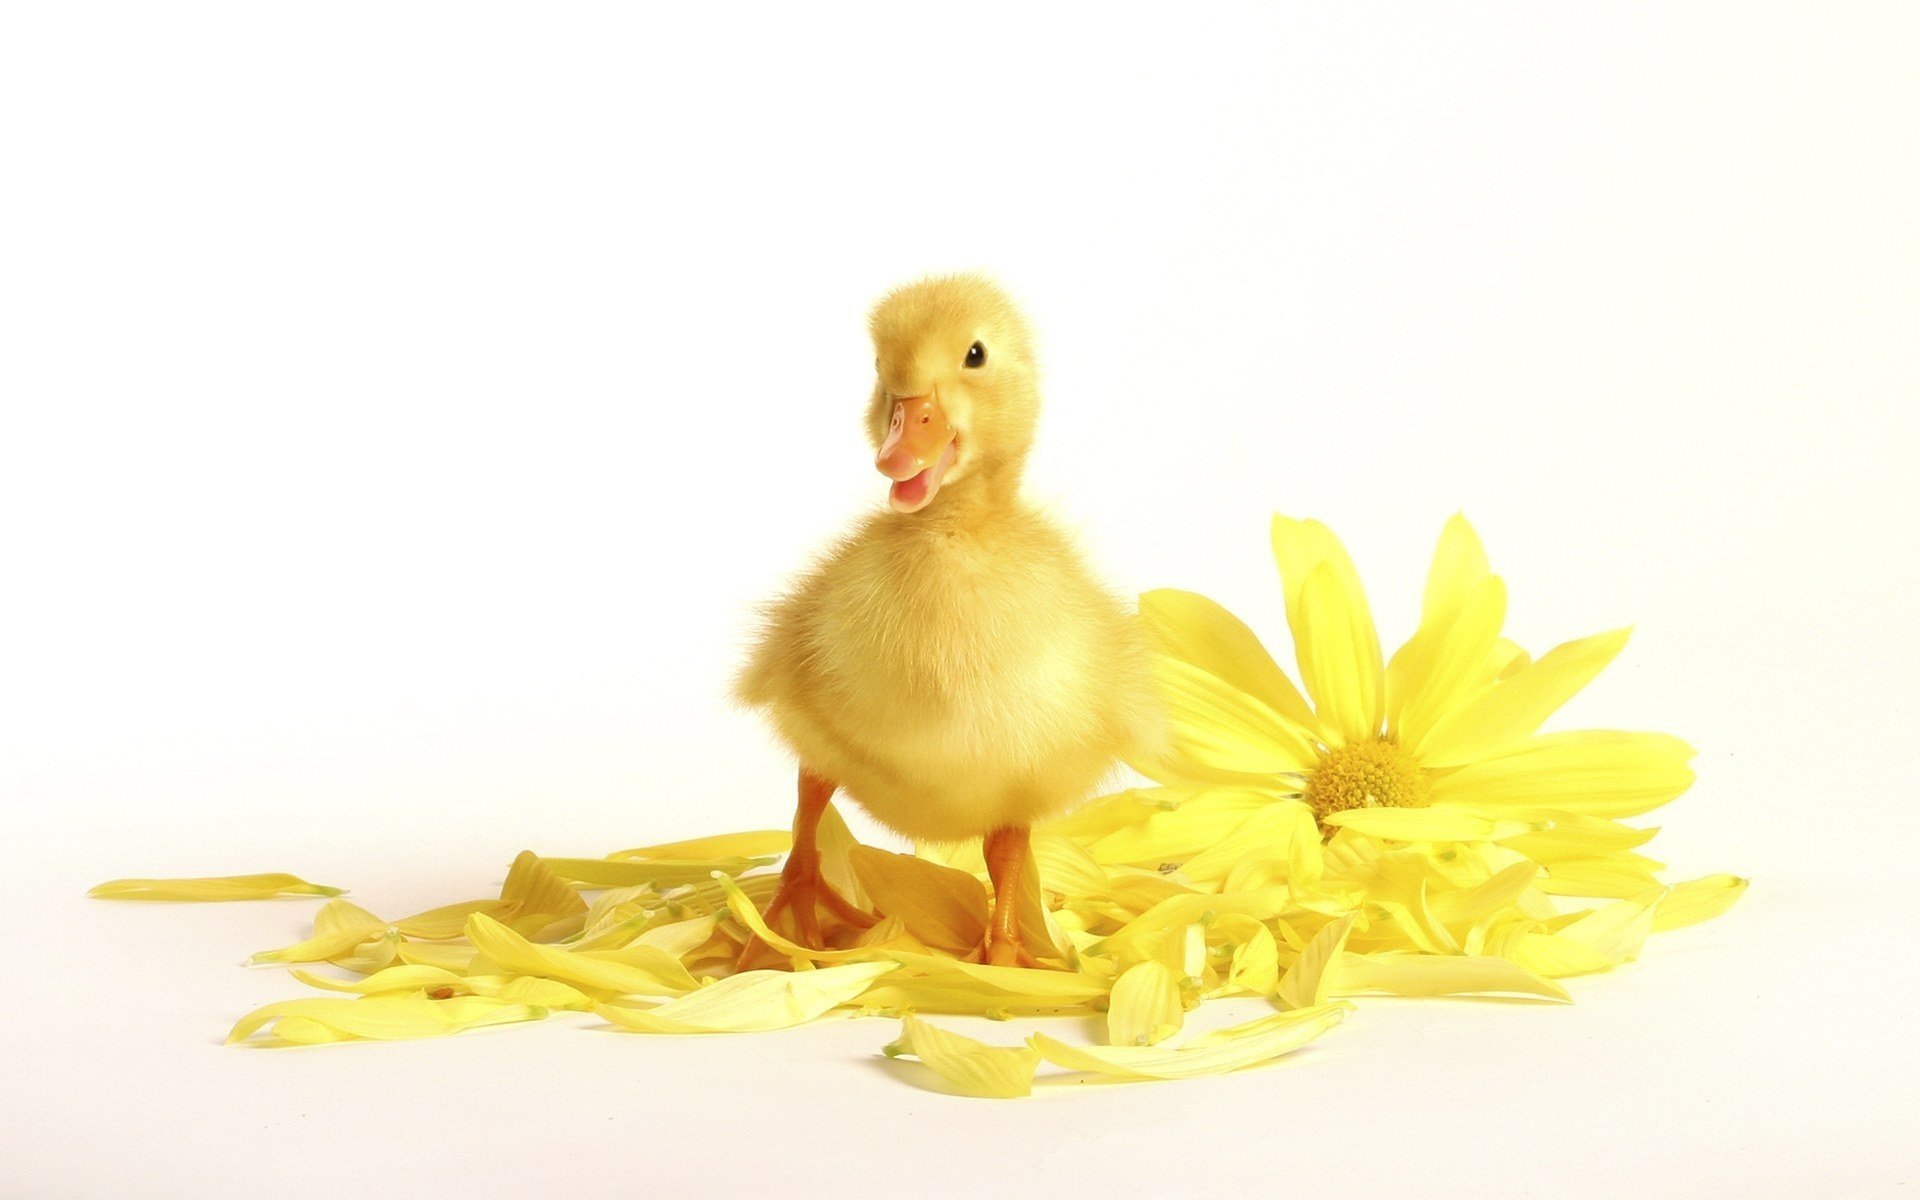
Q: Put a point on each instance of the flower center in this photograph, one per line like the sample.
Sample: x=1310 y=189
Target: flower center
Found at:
x=1375 y=774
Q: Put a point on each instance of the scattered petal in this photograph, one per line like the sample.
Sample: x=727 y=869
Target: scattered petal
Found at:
x=1698 y=900
x=601 y=872
x=970 y=1067
x=757 y=843
x=1437 y=975
x=944 y=908
x=1305 y=984
x=339 y=927
x=1210 y=1054
x=211 y=887
x=532 y=899
x=753 y=1001
x=1145 y=1007
x=631 y=971
x=379 y=1018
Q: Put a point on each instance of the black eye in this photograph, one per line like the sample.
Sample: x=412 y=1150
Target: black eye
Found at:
x=976 y=355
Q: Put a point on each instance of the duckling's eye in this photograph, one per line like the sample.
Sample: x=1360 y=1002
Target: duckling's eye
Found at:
x=976 y=355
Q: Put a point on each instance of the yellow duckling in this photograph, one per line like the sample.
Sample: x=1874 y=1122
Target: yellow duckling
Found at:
x=951 y=664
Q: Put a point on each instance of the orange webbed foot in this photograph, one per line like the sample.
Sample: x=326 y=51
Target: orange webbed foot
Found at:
x=806 y=893
x=802 y=888
x=1001 y=952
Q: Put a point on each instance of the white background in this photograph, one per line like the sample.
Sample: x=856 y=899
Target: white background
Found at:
x=405 y=406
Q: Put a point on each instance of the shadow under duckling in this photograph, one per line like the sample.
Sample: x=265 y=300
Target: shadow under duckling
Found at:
x=951 y=664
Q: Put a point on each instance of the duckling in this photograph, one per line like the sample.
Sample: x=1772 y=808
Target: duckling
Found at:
x=951 y=664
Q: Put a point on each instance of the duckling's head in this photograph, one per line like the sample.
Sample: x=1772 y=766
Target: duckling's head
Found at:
x=954 y=398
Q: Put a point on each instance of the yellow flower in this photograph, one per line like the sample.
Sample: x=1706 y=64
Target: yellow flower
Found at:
x=1438 y=744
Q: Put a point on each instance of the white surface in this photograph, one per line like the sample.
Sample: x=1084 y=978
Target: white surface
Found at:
x=404 y=409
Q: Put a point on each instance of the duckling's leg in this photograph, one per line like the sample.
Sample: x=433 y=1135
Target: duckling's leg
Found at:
x=1006 y=852
x=801 y=886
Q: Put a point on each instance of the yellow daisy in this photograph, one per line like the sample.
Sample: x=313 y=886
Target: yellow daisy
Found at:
x=1440 y=743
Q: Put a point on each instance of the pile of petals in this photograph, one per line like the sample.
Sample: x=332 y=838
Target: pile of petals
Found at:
x=1401 y=827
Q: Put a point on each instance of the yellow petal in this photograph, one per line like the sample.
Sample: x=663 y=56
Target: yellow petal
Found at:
x=753 y=1001
x=1299 y=547
x=1210 y=1054
x=1602 y=773
x=1086 y=825
x=1618 y=930
x=906 y=991
x=1573 y=835
x=1698 y=900
x=1173 y=835
x=1514 y=708
x=292 y=1030
x=888 y=933
x=1339 y=657
x=211 y=887
x=445 y=922
x=1305 y=984
x=1135 y=891
x=532 y=899
x=1556 y=957
x=1066 y=868
x=1255 y=964
x=1459 y=566
x=1267 y=833
x=1192 y=628
x=533 y=890
x=1459 y=576
x=1462 y=910
x=337 y=929
x=677 y=939
x=836 y=842
x=969 y=1067
x=1445 y=662
x=633 y=970
x=1507 y=658
x=1436 y=975
x=1145 y=1007
x=379 y=1018
x=757 y=843
x=437 y=984
x=1024 y=983
x=1443 y=823
x=374 y=954
x=529 y=989
x=392 y=979
x=1333 y=632
x=943 y=908
x=455 y=958
x=1619 y=875
x=1130 y=941
x=601 y=872
x=1218 y=731
x=1413 y=922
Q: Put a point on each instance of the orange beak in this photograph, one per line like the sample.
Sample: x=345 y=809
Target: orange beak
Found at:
x=917 y=453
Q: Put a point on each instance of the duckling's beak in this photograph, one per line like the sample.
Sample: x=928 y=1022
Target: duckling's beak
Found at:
x=917 y=454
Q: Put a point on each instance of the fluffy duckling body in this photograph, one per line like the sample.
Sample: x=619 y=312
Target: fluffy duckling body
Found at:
x=951 y=664
x=952 y=677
